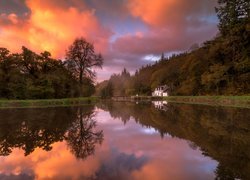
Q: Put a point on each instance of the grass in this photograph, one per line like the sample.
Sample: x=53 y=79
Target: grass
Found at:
x=46 y=102
x=232 y=101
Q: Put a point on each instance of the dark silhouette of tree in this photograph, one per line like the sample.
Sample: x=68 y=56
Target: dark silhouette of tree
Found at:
x=4 y=53
x=81 y=59
x=30 y=62
x=162 y=57
x=193 y=47
x=232 y=13
x=82 y=136
x=107 y=91
x=38 y=76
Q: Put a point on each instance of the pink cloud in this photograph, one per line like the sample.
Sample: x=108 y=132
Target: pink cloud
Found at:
x=173 y=25
x=171 y=13
x=158 y=41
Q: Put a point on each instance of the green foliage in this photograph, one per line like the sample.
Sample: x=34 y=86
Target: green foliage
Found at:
x=32 y=76
x=107 y=91
x=232 y=13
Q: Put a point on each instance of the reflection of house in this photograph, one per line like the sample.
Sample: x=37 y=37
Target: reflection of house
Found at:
x=161 y=91
x=160 y=105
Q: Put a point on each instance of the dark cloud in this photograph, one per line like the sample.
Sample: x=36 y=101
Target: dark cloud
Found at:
x=109 y=7
x=158 y=41
x=17 y=177
x=17 y=7
x=120 y=166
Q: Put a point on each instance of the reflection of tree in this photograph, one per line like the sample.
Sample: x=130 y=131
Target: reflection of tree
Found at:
x=31 y=128
x=82 y=136
x=221 y=133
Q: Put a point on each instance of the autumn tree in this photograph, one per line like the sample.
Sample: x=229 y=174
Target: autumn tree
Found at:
x=81 y=59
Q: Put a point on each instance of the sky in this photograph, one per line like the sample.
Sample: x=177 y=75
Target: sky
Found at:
x=128 y=33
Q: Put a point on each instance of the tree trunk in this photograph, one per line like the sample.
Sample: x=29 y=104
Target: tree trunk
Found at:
x=80 y=78
x=80 y=82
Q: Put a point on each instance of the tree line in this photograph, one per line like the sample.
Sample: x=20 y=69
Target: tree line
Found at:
x=28 y=75
x=219 y=67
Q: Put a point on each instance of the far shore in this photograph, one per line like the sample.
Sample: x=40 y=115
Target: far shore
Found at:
x=230 y=101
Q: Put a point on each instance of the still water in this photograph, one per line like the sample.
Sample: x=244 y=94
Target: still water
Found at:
x=115 y=140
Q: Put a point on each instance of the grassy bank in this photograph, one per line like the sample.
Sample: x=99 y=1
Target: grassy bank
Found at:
x=233 y=101
x=47 y=102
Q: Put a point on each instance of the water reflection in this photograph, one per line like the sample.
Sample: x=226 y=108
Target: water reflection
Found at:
x=141 y=142
x=221 y=133
x=31 y=128
x=81 y=136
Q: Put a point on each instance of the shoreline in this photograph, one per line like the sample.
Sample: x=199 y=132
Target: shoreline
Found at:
x=226 y=101
x=41 y=103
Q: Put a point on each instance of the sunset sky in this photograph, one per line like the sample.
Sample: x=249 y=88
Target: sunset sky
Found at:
x=129 y=33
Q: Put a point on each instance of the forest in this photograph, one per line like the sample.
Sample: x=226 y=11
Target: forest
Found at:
x=28 y=75
x=220 y=66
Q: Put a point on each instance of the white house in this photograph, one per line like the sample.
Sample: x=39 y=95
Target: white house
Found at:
x=161 y=91
x=161 y=105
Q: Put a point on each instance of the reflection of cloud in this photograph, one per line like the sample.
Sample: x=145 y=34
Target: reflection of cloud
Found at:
x=167 y=158
x=57 y=164
x=120 y=166
x=131 y=153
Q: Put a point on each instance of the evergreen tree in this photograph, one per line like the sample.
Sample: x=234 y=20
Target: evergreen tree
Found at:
x=231 y=13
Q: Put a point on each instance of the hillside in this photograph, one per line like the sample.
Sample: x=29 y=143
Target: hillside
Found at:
x=219 y=67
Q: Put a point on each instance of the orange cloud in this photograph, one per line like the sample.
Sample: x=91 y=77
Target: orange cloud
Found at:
x=53 y=28
x=152 y=11
x=169 y=13
x=57 y=164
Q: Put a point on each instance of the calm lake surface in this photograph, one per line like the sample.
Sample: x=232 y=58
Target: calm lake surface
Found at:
x=118 y=140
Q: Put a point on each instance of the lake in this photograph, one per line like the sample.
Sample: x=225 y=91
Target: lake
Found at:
x=125 y=140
